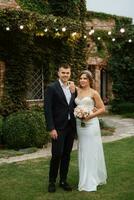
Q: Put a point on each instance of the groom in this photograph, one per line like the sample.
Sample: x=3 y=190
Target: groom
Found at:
x=59 y=107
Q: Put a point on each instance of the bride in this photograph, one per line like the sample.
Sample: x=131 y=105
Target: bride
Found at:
x=92 y=169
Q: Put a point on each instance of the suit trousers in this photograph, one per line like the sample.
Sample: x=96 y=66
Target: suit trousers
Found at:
x=61 y=149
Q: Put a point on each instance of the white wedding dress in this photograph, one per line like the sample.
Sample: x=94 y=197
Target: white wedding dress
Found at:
x=92 y=169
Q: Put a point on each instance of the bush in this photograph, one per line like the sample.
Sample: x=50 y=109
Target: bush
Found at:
x=129 y=115
x=25 y=129
x=1 y=121
x=122 y=107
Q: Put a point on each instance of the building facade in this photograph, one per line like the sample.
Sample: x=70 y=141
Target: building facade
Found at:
x=96 y=64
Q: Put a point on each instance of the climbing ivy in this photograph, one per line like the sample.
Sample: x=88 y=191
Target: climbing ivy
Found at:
x=118 y=54
x=31 y=38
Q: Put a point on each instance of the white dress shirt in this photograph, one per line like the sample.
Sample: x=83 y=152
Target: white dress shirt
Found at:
x=67 y=93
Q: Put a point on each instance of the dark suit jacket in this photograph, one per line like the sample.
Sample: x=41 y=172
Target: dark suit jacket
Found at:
x=57 y=108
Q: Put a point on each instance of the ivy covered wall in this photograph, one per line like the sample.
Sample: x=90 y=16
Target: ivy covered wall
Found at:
x=34 y=37
x=42 y=35
x=121 y=66
x=75 y=9
x=119 y=54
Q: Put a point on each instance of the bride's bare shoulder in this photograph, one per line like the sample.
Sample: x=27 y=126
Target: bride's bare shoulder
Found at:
x=95 y=93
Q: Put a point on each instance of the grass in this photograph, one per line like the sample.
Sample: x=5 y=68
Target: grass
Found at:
x=27 y=180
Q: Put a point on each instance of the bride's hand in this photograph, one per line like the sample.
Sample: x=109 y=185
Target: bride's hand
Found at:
x=94 y=109
x=89 y=116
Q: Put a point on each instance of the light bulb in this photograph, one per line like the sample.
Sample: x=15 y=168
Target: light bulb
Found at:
x=109 y=33
x=73 y=34
x=45 y=30
x=129 y=40
x=7 y=29
x=64 y=29
x=21 y=27
x=122 y=30
x=92 y=31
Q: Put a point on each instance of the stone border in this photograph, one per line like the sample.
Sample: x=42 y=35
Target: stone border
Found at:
x=124 y=128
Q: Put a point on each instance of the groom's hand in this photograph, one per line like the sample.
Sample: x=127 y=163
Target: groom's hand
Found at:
x=53 y=134
x=72 y=86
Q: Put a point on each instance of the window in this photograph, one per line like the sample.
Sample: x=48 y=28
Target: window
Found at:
x=36 y=85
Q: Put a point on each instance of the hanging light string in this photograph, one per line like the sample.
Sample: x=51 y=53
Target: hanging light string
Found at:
x=89 y=32
x=121 y=31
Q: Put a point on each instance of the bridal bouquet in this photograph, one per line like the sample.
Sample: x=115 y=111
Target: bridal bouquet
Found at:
x=81 y=113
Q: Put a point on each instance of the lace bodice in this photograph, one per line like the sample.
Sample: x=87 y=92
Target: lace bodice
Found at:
x=86 y=102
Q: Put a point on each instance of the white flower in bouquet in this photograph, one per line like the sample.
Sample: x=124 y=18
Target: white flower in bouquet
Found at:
x=81 y=113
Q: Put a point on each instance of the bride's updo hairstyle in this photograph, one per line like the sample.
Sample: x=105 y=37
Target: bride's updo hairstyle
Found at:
x=88 y=75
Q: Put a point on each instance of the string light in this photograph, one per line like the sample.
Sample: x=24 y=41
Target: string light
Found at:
x=74 y=34
x=45 y=30
x=21 y=27
x=113 y=39
x=7 y=29
x=63 y=29
x=109 y=32
x=122 y=30
x=129 y=40
x=91 y=31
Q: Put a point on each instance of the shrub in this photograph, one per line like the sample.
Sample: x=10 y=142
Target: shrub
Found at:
x=122 y=107
x=25 y=129
x=1 y=121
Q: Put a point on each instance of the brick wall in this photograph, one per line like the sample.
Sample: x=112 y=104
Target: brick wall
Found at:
x=96 y=62
x=9 y=4
x=2 y=71
x=98 y=24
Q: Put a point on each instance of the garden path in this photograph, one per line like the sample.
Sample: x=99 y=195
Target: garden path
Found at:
x=124 y=127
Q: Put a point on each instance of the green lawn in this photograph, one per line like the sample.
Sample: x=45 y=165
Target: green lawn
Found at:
x=28 y=180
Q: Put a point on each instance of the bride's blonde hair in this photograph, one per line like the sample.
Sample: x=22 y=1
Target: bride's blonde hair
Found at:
x=88 y=75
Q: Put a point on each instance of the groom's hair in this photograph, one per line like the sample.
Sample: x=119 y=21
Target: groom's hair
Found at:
x=64 y=65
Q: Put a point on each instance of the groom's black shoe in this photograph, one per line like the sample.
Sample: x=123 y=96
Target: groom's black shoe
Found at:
x=65 y=186
x=51 y=187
